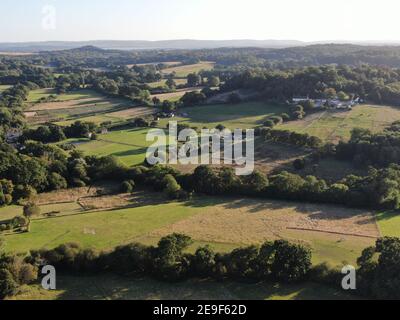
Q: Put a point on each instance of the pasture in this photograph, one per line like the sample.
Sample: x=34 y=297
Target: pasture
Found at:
x=184 y=70
x=176 y=95
x=162 y=83
x=35 y=95
x=242 y=115
x=389 y=223
x=332 y=126
x=116 y=116
x=112 y=287
x=335 y=234
x=128 y=145
x=73 y=105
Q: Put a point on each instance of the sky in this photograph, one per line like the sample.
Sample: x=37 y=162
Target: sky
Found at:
x=306 y=20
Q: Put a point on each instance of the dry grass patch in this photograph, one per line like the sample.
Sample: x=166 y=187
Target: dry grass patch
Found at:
x=175 y=96
x=250 y=221
x=133 y=112
x=74 y=194
x=57 y=105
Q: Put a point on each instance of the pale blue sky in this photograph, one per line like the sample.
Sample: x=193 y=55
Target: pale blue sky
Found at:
x=309 y=20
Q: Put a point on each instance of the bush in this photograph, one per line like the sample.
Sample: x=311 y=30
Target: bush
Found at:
x=57 y=182
x=172 y=188
x=19 y=222
x=269 y=124
x=285 y=117
x=299 y=164
x=127 y=186
x=276 y=119
x=8 y=285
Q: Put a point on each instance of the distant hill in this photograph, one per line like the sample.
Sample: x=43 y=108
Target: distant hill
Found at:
x=143 y=45
x=170 y=44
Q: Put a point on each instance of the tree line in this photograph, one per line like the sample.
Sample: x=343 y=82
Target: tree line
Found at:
x=377 y=84
x=273 y=261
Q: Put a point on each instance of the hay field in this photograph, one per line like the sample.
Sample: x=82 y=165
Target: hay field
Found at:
x=335 y=234
x=332 y=126
x=183 y=71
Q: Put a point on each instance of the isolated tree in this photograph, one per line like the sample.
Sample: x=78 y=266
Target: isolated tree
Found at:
x=213 y=81
x=171 y=83
x=193 y=79
x=30 y=210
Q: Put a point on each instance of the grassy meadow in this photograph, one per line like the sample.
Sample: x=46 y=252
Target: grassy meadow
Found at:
x=162 y=83
x=389 y=223
x=224 y=223
x=128 y=145
x=333 y=126
x=73 y=106
x=183 y=71
x=241 y=115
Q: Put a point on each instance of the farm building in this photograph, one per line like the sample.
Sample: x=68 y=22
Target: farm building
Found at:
x=331 y=103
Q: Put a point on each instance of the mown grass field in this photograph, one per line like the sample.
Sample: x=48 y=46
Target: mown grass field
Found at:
x=128 y=145
x=389 y=223
x=183 y=71
x=162 y=83
x=9 y=212
x=116 y=116
x=334 y=126
x=110 y=287
x=242 y=115
x=224 y=223
x=36 y=95
x=71 y=106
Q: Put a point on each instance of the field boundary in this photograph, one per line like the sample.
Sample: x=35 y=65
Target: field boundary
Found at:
x=333 y=232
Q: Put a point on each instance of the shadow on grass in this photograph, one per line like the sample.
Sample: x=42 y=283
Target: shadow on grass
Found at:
x=123 y=288
x=387 y=215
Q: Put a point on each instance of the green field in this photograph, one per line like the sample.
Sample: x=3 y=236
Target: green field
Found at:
x=110 y=287
x=131 y=146
x=242 y=115
x=215 y=221
x=128 y=145
x=111 y=228
x=9 y=212
x=183 y=71
x=162 y=83
x=389 y=223
x=334 y=126
x=36 y=95
x=72 y=106
x=97 y=119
